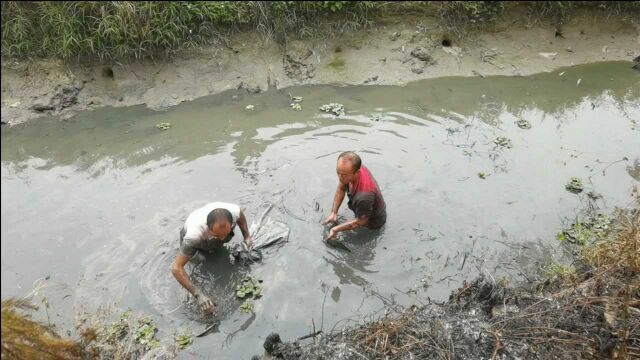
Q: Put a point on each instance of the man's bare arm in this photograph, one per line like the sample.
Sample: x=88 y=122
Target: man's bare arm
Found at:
x=337 y=201
x=349 y=225
x=177 y=269
x=242 y=223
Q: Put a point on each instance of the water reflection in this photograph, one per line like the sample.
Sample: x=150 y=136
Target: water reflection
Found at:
x=128 y=137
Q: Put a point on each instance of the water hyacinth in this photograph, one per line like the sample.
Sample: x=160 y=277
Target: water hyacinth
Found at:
x=333 y=108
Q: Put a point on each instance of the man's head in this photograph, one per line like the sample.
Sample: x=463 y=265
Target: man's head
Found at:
x=219 y=223
x=348 y=166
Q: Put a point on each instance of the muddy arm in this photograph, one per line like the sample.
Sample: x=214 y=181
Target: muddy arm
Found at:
x=242 y=223
x=177 y=269
x=337 y=201
x=352 y=224
x=349 y=225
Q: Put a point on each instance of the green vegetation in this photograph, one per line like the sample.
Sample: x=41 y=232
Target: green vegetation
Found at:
x=503 y=142
x=246 y=307
x=131 y=29
x=337 y=63
x=559 y=271
x=146 y=332
x=167 y=126
x=183 y=340
x=250 y=286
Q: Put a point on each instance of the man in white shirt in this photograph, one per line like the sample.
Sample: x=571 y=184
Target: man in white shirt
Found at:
x=204 y=232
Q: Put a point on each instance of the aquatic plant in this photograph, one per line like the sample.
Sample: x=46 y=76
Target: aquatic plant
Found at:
x=574 y=185
x=246 y=307
x=183 y=340
x=503 y=142
x=250 y=286
x=523 y=124
x=333 y=108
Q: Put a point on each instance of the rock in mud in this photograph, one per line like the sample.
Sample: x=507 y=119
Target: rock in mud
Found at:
x=65 y=96
x=42 y=105
x=272 y=342
x=417 y=68
x=421 y=53
x=250 y=88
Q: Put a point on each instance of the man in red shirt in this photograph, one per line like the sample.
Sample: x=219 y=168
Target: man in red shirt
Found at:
x=365 y=198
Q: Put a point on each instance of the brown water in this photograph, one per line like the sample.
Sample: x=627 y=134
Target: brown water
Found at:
x=91 y=207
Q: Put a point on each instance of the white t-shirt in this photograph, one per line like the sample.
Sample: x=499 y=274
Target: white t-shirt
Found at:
x=195 y=227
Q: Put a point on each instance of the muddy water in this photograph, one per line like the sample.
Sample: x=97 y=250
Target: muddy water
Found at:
x=91 y=207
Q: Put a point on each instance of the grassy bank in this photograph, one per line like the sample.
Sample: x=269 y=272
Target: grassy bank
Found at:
x=129 y=30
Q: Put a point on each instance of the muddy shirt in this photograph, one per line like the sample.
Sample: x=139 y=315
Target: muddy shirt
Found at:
x=365 y=199
x=195 y=234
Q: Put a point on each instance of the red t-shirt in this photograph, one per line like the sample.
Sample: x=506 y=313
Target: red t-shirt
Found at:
x=365 y=199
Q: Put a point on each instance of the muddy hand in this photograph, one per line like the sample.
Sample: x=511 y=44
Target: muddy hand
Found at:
x=331 y=219
x=332 y=235
x=249 y=243
x=204 y=302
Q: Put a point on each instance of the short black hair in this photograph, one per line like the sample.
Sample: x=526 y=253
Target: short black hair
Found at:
x=353 y=158
x=217 y=216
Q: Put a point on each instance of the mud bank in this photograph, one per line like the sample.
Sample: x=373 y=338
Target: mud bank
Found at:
x=395 y=51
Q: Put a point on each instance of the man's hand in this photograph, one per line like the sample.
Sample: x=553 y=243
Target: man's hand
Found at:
x=204 y=302
x=331 y=219
x=332 y=235
x=249 y=243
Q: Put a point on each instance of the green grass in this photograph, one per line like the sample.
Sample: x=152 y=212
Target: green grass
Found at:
x=337 y=63
x=132 y=29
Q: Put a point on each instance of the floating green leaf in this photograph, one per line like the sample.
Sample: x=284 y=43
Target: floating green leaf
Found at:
x=333 y=108
x=503 y=142
x=246 y=307
x=163 y=126
x=523 y=124
x=146 y=331
x=249 y=286
x=183 y=340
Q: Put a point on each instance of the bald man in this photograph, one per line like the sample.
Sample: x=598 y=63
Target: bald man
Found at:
x=365 y=198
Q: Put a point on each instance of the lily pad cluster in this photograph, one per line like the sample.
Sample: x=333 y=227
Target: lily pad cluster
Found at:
x=250 y=107
x=164 y=126
x=183 y=340
x=503 y=142
x=333 y=108
x=296 y=106
x=246 y=307
x=523 y=124
x=574 y=185
x=250 y=287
